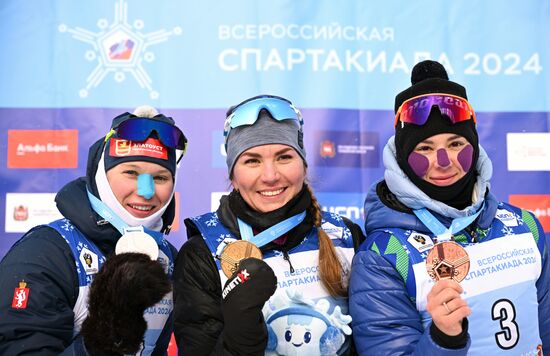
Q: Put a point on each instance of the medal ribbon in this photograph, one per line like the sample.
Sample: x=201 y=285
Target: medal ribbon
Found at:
x=268 y=235
x=438 y=229
x=106 y=213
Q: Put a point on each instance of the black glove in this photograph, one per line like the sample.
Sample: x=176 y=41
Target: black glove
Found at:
x=244 y=296
x=125 y=286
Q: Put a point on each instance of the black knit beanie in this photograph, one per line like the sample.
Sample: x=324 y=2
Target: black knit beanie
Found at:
x=431 y=77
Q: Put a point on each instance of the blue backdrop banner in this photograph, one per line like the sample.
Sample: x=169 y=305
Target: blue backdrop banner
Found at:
x=69 y=67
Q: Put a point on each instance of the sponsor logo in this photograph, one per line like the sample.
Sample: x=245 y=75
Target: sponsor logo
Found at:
x=328 y=149
x=347 y=149
x=150 y=148
x=528 y=151
x=240 y=278
x=122 y=147
x=538 y=204
x=334 y=232
x=420 y=241
x=26 y=210
x=20 y=296
x=89 y=261
x=349 y=205
x=350 y=212
x=20 y=213
x=42 y=148
x=120 y=48
x=506 y=217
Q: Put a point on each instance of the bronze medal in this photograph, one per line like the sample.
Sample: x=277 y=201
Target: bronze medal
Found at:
x=236 y=251
x=448 y=260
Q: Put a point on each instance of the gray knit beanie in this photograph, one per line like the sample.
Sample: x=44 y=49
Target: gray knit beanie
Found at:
x=264 y=131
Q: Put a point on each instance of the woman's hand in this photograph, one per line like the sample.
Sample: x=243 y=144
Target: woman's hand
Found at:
x=243 y=298
x=446 y=306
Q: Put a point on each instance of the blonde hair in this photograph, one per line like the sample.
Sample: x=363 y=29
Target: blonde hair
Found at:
x=330 y=268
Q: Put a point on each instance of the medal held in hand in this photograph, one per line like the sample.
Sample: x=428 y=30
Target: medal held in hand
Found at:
x=236 y=251
x=137 y=242
x=448 y=260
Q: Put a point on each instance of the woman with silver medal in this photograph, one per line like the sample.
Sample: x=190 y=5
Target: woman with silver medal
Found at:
x=267 y=272
x=100 y=278
x=446 y=268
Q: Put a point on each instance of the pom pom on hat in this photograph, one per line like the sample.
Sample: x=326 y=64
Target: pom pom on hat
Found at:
x=145 y=111
x=429 y=77
x=426 y=70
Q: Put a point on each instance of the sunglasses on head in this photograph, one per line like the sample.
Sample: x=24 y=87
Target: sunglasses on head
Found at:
x=247 y=112
x=416 y=110
x=139 y=129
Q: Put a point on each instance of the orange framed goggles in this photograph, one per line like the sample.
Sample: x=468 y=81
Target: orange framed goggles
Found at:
x=416 y=110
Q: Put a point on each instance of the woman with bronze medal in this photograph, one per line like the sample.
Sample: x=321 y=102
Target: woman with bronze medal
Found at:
x=446 y=269
x=267 y=273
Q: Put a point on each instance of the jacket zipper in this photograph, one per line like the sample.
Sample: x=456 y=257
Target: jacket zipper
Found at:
x=286 y=257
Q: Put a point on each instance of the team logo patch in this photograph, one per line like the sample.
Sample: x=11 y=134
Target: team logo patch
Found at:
x=89 y=261
x=506 y=217
x=20 y=296
x=420 y=241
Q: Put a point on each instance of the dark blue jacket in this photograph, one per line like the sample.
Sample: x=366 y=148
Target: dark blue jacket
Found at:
x=43 y=259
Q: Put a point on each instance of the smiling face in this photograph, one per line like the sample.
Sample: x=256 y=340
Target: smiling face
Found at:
x=442 y=159
x=268 y=176
x=123 y=179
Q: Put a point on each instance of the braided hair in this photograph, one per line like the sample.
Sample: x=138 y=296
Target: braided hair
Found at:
x=330 y=268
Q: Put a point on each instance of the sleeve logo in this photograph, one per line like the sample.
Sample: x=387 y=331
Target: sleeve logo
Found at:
x=20 y=296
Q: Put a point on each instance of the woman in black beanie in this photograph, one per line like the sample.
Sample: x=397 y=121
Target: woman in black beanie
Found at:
x=446 y=268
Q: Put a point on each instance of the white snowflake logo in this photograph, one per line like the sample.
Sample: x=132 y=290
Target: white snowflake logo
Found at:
x=223 y=237
x=67 y=226
x=119 y=48
x=347 y=234
x=171 y=268
x=211 y=222
x=507 y=230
